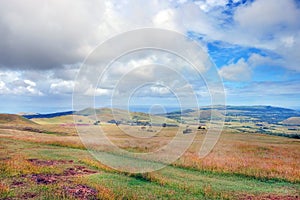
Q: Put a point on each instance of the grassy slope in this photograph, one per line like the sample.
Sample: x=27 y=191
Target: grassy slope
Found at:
x=253 y=155
x=171 y=182
x=103 y=117
x=66 y=119
x=292 y=121
x=8 y=119
x=106 y=114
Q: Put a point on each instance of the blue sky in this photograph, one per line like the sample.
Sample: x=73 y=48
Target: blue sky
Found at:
x=254 y=45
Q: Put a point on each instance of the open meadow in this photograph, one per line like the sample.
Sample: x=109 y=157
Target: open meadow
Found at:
x=49 y=162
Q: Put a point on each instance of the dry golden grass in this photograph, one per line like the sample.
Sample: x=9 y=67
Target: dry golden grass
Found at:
x=96 y=164
x=259 y=156
x=139 y=140
x=11 y=119
x=19 y=165
x=66 y=119
x=4 y=191
x=256 y=155
x=65 y=141
x=104 y=193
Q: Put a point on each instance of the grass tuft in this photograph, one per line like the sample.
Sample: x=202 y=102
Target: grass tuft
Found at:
x=4 y=191
x=96 y=165
x=19 y=165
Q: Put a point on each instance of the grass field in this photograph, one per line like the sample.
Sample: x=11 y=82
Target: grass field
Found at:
x=56 y=165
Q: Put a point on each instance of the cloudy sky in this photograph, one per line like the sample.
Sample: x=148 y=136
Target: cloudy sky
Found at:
x=254 y=45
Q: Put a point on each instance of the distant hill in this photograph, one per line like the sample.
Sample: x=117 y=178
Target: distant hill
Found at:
x=269 y=114
x=193 y=116
x=65 y=119
x=50 y=115
x=85 y=112
x=11 y=119
x=292 y=121
x=107 y=114
x=99 y=111
x=87 y=116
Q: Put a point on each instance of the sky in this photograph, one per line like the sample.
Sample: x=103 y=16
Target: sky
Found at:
x=254 y=45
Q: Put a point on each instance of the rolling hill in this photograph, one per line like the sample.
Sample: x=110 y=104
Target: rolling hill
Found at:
x=292 y=121
x=253 y=114
x=11 y=119
x=124 y=116
x=49 y=115
x=65 y=119
x=87 y=116
x=268 y=114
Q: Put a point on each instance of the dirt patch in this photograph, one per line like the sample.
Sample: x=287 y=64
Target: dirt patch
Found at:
x=69 y=172
x=45 y=178
x=17 y=183
x=81 y=192
x=28 y=195
x=76 y=191
x=78 y=170
x=49 y=162
x=269 y=197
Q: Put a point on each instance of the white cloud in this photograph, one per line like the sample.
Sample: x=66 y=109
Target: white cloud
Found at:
x=264 y=17
x=30 y=83
x=288 y=41
x=62 y=87
x=43 y=35
x=258 y=60
x=98 y=92
x=165 y=18
x=3 y=88
x=242 y=69
x=207 y=5
x=239 y=71
x=46 y=34
x=12 y=83
x=56 y=36
x=158 y=90
x=271 y=26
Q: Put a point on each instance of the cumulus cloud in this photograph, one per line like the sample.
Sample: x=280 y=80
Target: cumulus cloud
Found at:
x=32 y=82
x=265 y=24
x=258 y=60
x=264 y=17
x=239 y=71
x=242 y=70
x=211 y=4
x=19 y=87
x=165 y=18
x=44 y=43
x=62 y=87
x=45 y=34
x=159 y=90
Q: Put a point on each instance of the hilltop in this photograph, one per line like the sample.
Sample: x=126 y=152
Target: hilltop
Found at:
x=292 y=121
x=106 y=115
x=267 y=114
x=251 y=119
x=12 y=119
